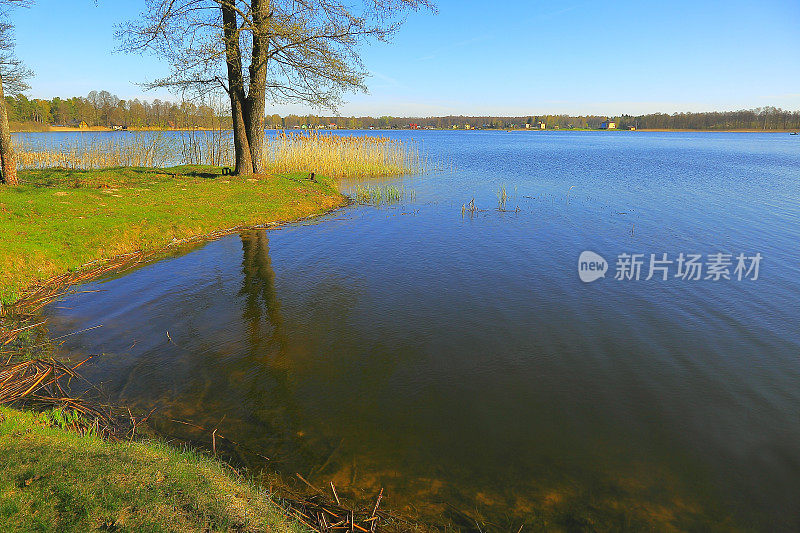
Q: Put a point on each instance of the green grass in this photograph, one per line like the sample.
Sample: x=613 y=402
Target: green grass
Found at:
x=58 y=219
x=56 y=480
x=375 y=195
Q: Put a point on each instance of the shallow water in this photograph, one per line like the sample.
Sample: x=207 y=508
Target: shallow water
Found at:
x=456 y=358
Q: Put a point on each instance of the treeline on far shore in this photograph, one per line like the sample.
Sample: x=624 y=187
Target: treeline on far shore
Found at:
x=105 y=110
x=767 y=118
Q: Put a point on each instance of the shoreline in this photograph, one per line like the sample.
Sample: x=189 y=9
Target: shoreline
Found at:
x=100 y=129
x=59 y=476
x=74 y=218
x=61 y=446
x=103 y=129
x=59 y=285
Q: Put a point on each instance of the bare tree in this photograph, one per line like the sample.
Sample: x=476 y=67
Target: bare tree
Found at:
x=12 y=76
x=296 y=50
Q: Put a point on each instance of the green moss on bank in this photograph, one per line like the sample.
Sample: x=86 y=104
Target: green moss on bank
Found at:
x=56 y=480
x=58 y=219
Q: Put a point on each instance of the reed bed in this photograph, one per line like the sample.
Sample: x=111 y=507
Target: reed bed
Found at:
x=339 y=157
x=328 y=155
x=139 y=149
x=206 y=147
x=375 y=195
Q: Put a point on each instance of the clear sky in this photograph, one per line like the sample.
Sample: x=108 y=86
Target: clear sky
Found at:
x=515 y=57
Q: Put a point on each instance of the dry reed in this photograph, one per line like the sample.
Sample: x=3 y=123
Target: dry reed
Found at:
x=339 y=157
x=38 y=383
x=375 y=195
x=137 y=149
x=207 y=147
x=328 y=155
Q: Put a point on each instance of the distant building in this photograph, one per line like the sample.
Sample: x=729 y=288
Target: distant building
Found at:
x=83 y=125
x=541 y=125
x=608 y=125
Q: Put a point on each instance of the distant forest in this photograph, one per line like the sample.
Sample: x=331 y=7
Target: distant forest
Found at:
x=100 y=108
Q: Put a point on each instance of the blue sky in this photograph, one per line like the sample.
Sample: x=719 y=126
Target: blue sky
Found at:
x=494 y=58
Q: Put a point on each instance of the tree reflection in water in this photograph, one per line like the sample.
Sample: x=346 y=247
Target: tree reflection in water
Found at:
x=258 y=289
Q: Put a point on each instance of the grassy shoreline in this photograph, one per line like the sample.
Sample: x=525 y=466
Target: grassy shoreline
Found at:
x=58 y=480
x=59 y=220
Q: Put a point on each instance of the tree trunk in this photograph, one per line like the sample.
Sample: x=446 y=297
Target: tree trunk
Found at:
x=256 y=97
x=233 y=59
x=8 y=159
x=241 y=146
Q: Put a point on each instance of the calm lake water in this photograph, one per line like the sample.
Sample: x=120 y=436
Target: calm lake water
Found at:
x=457 y=359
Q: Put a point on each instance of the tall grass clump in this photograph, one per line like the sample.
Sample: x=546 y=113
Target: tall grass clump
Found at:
x=375 y=195
x=333 y=156
x=206 y=147
x=139 y=149
x=502 y=197
x=339 y=157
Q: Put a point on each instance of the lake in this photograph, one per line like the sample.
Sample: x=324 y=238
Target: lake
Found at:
x=455 y=357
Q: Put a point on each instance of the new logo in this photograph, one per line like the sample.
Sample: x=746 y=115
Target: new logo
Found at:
x=591 y=266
